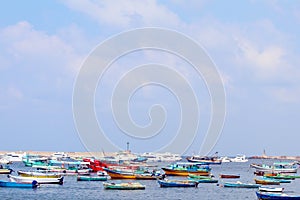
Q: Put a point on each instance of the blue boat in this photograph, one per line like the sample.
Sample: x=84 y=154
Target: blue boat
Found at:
x=241 y=185
x=177 y=183
x=276 y=196
x=34 y=184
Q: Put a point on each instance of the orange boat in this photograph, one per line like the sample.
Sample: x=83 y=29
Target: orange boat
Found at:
x=266 y=182
x=115 y=174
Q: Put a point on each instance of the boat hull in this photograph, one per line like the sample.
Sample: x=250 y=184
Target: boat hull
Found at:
x=177 y=183
x=91 y=178
x=32 y=185
x=5 y=171
x=120 y=175
x=123 y=186
x=241 y=185
x=274 y=196
x=267 y=182
x=20 y=179
x=175 y=172
x=229 y=176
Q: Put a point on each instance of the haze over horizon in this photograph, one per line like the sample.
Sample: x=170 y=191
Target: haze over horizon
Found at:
x=254 y=44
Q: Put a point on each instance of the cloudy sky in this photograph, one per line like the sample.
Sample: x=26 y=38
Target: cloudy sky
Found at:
x=254 y=44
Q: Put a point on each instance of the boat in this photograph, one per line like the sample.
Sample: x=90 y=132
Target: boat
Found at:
x=279 y=180
x=281 y=167
x=91 y=178
x=38 y=174
x=124 y=186
x=239 y=184
x=205 y=160
x=5 y=171
x=277 y=196
x=270 y=189
x=34 y=184
x=118 y=174
x=266 y=182
x=280 y=176
x=207 y=180
x=21 y=179
x=239 y=158
x=184 y=169
x=199 y=177
x=147 y=176
x=229 y=176
x=177 y=183
x=14 y=157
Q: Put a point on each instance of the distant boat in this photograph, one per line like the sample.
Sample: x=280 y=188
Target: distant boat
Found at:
x=124 y=186
x=205 y=160
x=177 y=183
x=229 y=176
x=20 y=179
x=276 y=196
x=34 y=184
x=270 y=189
x=239 y=158
x=91 y=178
x=239 y=184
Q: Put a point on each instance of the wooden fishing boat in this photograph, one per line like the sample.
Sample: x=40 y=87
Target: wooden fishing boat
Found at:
x=124 y=186
x=270 y=189
x=34 y=184
x=184 y=169
x=146 y=176
x=5 y=171
x=177 y=183
x=229 y=176
x=199 y=177
x=38 y=174
x=21 y=179
x=266 y=182
x=281 y=167
x=276 y=196
x=239 y=184
x=279 y=180
x=280 y=176
x=91 y=178
x=117 y=174
x=208 y=180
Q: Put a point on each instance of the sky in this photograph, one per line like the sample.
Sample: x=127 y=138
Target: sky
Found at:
x=254 y=44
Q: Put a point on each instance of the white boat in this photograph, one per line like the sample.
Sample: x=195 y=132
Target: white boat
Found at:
x=270 y=189
x=239 y=158
x=14 y=157
x=281 y=167
x=20 y=179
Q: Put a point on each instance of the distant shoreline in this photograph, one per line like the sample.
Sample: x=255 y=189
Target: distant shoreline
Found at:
x=102 y=154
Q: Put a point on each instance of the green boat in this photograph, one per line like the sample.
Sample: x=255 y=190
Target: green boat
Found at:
x=91 y=178
x=124 y=186
x=198 y=177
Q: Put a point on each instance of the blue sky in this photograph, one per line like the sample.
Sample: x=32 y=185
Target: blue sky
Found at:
x=254 y=44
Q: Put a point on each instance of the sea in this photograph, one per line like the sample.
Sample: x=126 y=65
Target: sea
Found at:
x=73 y=189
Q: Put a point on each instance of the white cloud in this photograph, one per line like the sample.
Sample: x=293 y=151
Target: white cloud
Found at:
x=126 y=14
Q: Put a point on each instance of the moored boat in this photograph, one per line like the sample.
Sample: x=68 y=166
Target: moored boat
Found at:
x=229 y=176
x=91 y=178
x=33 y=184
x=270 y=189
x=208 y=180
x=116 y=174
x=20 y=179
x=5 y=171
x=124 y=186
x=266 y=182
x=38 y=174
x=281 y=167
x=239 y=184
x=199 y=177
x=177 y=183
x=184 y=169
x=205 y=160
x=276 y=196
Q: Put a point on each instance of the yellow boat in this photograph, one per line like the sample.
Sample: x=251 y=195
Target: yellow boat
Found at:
x=184 y=169
x=5 y=171
x=38 y=174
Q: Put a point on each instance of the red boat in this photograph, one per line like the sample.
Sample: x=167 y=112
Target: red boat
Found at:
x=229 y=176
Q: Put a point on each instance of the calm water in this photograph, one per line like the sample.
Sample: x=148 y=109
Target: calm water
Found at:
x=94 y=190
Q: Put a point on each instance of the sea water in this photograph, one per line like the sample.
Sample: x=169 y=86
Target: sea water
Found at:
x=73 y=189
